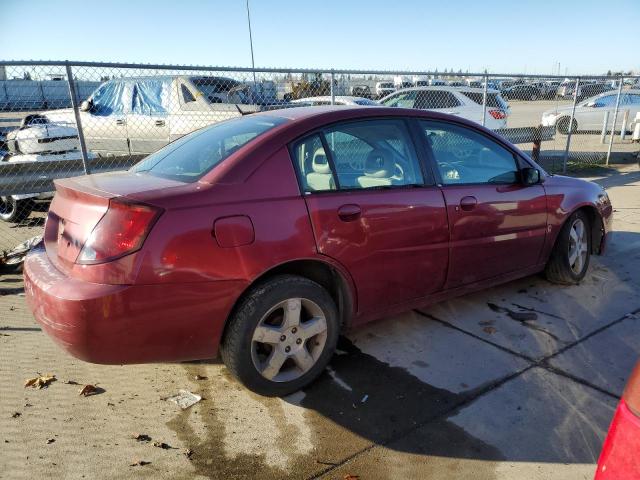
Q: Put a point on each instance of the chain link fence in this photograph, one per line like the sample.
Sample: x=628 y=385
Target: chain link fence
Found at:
x=60 y=119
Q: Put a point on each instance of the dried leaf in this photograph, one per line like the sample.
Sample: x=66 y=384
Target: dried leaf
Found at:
x=348 y=476
x=187 y=453
x=15 y=414
x=489 y=330
x=141 y=437
x=201 y=377
x=88 y=390
x=71 y=382
x=162 y=445
x=139 y=463
x=50 y=441
x=40 y=381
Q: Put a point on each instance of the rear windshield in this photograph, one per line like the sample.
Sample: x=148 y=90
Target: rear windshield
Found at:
x=493 y=99
x=193 y=155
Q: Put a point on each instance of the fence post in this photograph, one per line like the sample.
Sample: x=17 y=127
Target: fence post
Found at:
x=605 y=126
x=484 y=99
x=623 y=129
x=333 y=93
x=615 y=117
x=570 y=127
x=76 y=113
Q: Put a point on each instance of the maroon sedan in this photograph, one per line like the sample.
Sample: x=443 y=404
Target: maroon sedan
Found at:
x=265 y=236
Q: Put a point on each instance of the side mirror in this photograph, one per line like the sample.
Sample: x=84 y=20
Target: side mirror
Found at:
x=530 y=176
x=85 y=106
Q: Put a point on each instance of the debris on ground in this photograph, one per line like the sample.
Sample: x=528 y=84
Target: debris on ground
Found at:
x=184 y=399
x=349 y=476
x=15 y=414
x=12 y=260
x=139 y=463
x=162 y=445
x=88 y=390
x=201 y=377
x=364 y=399
x=141 y=437
x=40 y=381
x=490 y=330
x=50 y=441
x=187 y=453
x=71 y=382
x=486 y=323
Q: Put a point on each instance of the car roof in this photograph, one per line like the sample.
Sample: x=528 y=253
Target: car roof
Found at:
x=325 y=98
x=449 y=88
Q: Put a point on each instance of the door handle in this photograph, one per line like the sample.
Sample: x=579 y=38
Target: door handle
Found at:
x=120 y=121
x=159 y=123
x=468 y=203
x=349 y=212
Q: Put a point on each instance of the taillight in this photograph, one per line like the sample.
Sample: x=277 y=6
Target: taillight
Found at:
x=498 y=114
x=121 y=231
x=632 y=391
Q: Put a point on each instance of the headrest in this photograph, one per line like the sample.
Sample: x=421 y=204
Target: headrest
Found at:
x=320 y=164
x=378 y=164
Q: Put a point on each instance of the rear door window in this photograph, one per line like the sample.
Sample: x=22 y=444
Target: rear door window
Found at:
x=358 y=155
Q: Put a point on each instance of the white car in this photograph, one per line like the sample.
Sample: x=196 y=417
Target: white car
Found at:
x=338 y=100
x=590 y=113
x=465 y=102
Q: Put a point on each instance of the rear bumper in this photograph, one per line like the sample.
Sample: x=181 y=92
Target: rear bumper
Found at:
x=118 y=324
x=620 y=457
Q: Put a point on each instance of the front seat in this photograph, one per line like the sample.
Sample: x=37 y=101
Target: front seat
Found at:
x=378 y=170
x=320 y=178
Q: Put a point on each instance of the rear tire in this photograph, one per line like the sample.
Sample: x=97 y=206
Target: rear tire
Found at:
x=563 y=125
x=15 y=211
x=569 y=261
x=281 y=335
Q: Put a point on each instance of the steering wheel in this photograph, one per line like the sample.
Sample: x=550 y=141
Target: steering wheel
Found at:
x=449 y=171
x=462 y=153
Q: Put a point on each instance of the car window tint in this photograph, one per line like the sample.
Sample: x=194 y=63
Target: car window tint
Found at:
x=402 y=100
x=493 y=100
x=373 y=153
x=312 y=165
x=463 y=156
x=187 y=96
x=434 y=99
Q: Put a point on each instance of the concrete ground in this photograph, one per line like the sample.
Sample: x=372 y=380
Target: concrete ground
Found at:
x=456 y=390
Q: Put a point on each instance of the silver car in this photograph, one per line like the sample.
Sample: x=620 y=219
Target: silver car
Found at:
x=590 y=113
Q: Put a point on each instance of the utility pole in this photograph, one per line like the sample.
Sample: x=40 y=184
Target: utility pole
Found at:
x=253 y=63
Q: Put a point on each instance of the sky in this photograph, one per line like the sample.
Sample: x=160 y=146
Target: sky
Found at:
x=501 y=36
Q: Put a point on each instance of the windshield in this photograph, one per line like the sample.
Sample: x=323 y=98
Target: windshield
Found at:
x=193 y=155
x=216 y=89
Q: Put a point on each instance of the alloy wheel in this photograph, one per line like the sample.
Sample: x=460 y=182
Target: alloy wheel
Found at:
x=289 y=339
x=578 y=246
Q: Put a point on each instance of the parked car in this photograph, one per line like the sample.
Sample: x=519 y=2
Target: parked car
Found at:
x=138 y=116
x=263 y=237
x=36 y=141
x=338 y=100
x=521 y=92
x=590 y=113
x=546 y=89
x=361 y=91
x=585 y=90
x=464 y=102
x=620 y=456
x=384 y=88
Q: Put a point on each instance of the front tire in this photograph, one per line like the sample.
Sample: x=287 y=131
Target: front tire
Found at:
x=569 y=261
x=281 y=335
x=15 y=211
